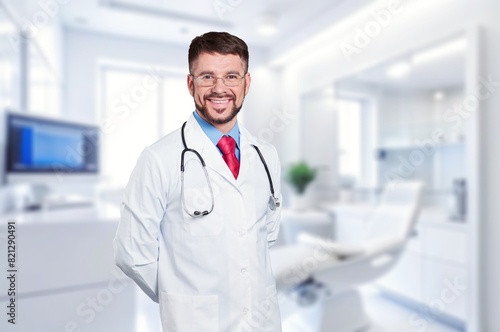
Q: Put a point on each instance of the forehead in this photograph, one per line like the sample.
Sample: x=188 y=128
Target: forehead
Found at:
x=216 y=62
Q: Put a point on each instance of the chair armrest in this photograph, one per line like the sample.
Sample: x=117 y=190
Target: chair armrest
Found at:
x=333 y=248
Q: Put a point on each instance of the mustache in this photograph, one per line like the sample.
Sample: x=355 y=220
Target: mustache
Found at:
x=217 y=95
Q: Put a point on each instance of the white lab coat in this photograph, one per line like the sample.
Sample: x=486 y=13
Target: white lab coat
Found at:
x=210 y=273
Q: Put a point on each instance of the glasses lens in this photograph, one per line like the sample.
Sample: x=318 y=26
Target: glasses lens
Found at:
x=206 y=80
x=232 y=80
x=209 y=80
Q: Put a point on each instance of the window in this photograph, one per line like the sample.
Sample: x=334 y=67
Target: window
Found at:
x=42 y=84
x=138 y=107
x=349 y=139
x=9 y=64
x=177 y=103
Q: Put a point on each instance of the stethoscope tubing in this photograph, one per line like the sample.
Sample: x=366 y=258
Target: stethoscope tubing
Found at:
x=197 y=213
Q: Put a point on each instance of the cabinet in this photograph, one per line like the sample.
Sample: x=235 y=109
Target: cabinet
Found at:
x=432 y=271
x=415 y=140
x=66 y=278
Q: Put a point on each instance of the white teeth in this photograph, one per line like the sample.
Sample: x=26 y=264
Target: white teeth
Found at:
x=219 y=101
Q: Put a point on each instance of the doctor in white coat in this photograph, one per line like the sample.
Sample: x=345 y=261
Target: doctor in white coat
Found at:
x=199 y=245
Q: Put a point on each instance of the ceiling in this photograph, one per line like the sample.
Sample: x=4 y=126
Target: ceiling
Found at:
x=179 y=21
x=435 y=67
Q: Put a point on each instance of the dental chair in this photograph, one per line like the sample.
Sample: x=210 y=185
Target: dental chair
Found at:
x=317 y=269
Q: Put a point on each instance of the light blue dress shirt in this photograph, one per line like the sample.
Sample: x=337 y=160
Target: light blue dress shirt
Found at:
x=215 y=134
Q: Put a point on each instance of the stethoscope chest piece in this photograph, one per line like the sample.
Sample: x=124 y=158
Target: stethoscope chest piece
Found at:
x=273 y=203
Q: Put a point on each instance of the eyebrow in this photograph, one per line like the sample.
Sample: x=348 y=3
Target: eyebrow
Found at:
x=209 y=72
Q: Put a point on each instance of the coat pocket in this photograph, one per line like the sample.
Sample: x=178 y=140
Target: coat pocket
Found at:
x=185 y=313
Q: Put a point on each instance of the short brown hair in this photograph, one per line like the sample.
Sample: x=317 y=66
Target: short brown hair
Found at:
x=218 y=42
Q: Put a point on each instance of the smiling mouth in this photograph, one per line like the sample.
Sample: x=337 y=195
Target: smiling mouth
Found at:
x=219 y=101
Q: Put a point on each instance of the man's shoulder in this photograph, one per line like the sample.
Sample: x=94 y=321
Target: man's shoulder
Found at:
x=169 y=140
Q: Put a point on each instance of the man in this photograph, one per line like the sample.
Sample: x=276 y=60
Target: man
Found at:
x=198 y=243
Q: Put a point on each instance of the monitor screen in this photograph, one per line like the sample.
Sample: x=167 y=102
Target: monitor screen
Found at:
x=45 y=145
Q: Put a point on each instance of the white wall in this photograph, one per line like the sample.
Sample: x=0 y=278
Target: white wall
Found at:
x=489 y=12
x=261 y=105
x=83 y=52
x=314 y=106
x=289 y=141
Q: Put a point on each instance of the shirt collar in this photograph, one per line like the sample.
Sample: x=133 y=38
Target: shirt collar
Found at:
x=215 y=134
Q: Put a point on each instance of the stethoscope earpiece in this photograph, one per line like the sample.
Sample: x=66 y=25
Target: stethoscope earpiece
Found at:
x=199 y=213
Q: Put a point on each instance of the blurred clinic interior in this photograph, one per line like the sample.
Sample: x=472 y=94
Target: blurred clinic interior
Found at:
x=388 y=109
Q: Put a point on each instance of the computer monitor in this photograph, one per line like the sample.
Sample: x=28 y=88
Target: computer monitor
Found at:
x=42 y=145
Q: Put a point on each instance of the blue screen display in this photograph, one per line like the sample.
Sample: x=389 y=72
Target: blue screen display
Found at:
x=42 y=145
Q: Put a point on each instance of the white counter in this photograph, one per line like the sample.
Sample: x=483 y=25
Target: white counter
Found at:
x=429 y=214
x=97 y=212
x=64 y=265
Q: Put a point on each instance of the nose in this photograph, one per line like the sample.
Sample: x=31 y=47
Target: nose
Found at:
x=219 y=85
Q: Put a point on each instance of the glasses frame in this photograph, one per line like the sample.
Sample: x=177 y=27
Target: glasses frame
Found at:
x=214 y=81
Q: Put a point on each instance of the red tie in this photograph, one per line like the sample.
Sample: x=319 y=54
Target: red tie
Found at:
x=227 y=144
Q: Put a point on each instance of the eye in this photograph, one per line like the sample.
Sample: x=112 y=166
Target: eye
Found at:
x=232 y=77
x=207 y=77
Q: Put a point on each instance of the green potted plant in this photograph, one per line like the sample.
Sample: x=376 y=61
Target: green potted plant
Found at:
x=300 y=175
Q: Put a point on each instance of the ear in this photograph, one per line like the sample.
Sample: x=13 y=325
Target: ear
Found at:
x=190 y=84
x=248 y=80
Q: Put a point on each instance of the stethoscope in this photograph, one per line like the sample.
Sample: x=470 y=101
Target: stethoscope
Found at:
x=274 y=202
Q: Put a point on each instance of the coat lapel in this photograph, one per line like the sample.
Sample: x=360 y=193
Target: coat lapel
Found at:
x=247 y=153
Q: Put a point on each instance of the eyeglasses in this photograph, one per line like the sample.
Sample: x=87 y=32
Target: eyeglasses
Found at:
x=207 y=80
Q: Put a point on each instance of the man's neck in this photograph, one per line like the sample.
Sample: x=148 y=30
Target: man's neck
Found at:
x=222 y=127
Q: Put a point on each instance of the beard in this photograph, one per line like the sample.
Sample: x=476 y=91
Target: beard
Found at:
x=203 y=110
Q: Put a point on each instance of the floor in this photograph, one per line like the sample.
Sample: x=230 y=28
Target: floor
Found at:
x=386 y=316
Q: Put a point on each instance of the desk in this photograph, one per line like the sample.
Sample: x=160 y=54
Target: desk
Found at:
x=314 y=222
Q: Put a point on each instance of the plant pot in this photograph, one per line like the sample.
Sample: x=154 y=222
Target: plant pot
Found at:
x=300 y=202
